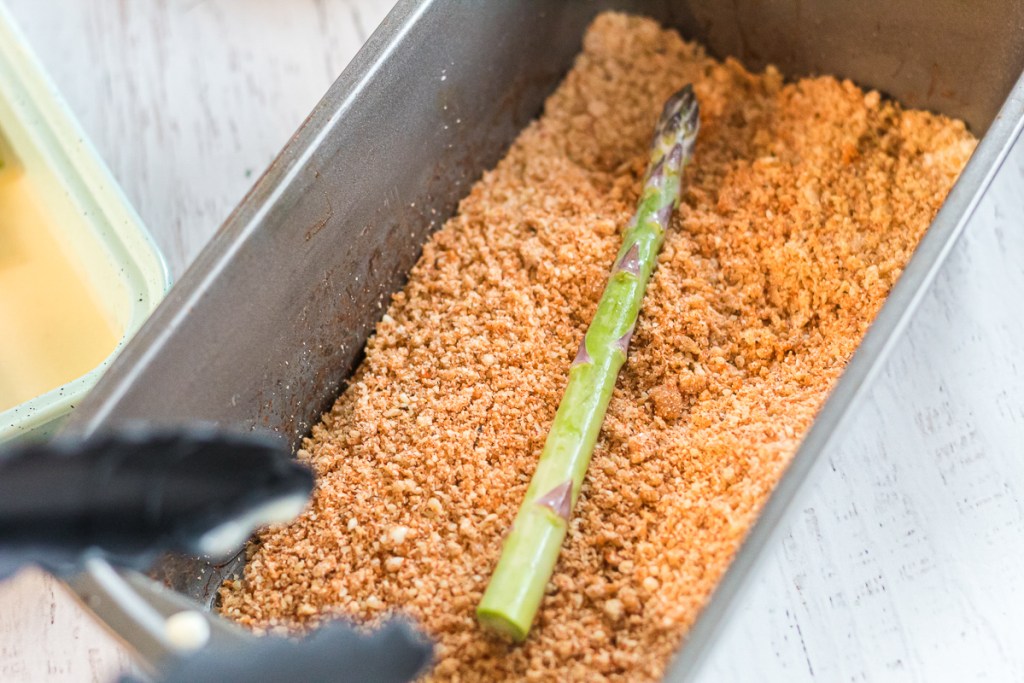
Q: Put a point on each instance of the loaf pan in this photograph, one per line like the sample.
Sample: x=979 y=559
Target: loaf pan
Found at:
x=265 y=328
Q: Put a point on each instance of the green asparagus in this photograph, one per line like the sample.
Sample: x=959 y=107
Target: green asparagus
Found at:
x=531 y=549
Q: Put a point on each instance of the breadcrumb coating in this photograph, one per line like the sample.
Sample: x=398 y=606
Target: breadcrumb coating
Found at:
x=802 y=206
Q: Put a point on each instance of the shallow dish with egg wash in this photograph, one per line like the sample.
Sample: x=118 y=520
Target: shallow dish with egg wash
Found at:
x=78 y=272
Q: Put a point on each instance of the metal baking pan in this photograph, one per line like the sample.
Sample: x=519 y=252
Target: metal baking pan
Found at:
x=268 y=323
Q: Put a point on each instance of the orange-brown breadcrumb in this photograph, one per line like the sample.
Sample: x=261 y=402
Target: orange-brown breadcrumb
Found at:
x=803 y=204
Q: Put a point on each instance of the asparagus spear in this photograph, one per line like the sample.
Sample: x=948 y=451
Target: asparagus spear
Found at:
x=528 y=558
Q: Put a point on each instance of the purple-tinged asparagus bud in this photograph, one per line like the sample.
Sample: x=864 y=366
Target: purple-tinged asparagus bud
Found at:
x=622 y=343
x=559 y=500
x=657 y=173
x=688 y=146
x=630 y=263
x=582 y=356
x=675 y=156
x=688 y=105
x=671 y=121
x=664 y=215
x=680 y=104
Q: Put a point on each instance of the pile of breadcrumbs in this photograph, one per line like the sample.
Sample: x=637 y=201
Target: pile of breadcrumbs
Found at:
x=803 y=204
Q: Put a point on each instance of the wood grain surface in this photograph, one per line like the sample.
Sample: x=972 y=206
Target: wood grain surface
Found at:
x=905 y=560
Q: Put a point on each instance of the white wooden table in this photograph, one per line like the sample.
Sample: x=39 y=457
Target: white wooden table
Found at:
x=906 y=562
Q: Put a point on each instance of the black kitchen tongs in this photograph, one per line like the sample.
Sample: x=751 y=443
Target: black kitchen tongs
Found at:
x=80 y=508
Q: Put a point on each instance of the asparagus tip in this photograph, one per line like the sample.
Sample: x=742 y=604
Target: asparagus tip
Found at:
x=681 y=108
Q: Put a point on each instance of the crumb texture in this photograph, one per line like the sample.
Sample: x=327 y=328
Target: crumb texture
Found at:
x=802 y=206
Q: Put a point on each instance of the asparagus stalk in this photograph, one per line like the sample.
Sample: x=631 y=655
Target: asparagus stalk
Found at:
x=531 y=550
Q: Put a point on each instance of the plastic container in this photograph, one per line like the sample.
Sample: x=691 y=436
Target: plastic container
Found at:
x=106 y=255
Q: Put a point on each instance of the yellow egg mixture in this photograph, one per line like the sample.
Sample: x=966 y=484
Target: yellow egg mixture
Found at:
x=52 y=328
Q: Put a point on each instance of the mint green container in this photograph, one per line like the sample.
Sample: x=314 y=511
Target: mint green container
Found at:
x=102 y=235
